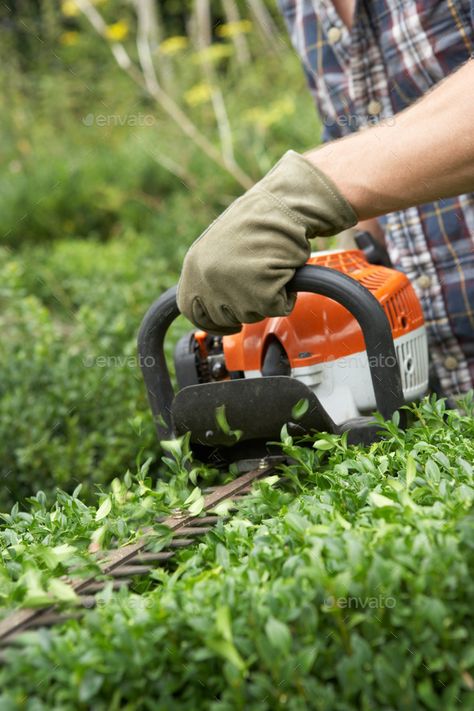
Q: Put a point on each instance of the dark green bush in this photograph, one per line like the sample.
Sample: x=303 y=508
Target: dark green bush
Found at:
x=99 y=190
x=69 y=379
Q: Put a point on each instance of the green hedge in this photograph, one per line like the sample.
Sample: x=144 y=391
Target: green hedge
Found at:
x=71 y=393
x=348 y=588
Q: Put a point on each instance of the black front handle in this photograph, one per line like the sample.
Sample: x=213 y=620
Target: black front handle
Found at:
x=348 y=292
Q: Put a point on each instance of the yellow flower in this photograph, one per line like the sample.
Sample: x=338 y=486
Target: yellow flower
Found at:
x=213 y=53
x=198 y=94
x=69 y=38
x=265 y=117
x=230 y=29
x=69 y=8
x=117 y=32
x=174 y=44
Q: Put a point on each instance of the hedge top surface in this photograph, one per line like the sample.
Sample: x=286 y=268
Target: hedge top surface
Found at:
x=348 y=587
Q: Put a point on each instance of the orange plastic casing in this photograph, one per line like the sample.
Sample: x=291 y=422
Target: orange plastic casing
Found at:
x=319 y=329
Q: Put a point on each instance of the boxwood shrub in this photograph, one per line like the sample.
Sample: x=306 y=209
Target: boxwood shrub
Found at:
x=345 y=585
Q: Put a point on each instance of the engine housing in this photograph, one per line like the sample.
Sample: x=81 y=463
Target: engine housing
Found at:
x=322 y=344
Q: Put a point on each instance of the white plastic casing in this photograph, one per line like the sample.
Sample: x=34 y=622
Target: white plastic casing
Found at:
x=344 y=386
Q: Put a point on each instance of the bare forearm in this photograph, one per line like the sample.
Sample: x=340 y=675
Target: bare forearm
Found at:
x=423 y=154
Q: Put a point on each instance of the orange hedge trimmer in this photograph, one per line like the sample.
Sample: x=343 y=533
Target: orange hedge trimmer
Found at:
x=354 y=343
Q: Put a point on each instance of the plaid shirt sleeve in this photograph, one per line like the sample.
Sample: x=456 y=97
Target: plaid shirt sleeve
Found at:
x=395 y=53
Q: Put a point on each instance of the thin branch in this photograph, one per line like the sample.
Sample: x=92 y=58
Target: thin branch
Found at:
x=266 y=24
x=203 y=41
x=168 y=105
x=239 y=40
x=143 y=45
x=165 y=67
x=202 y=13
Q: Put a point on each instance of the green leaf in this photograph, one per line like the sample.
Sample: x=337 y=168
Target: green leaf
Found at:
x=442 y=459
x=296 y=522
x=222 y=556
x=286 y=439
x=342 y=521
x=223 y=622
x=195 y=502
x=193 y=496
x=221 y=419
x=62 y=591
x=90 y=685
x=104 y=509
x=223 y=425
x=465 y=466
x=323 y=444
x=300 y=409
x=432 y=471
x=379 y=500
x=279 y=635
x=270 y=480
x=410 y=471
x=396 y=484
x=59 y=554
x=228 y=651
x=197 y=506
x=98 y=536
x=223 y=508
x=36 y=595
x=173 y=446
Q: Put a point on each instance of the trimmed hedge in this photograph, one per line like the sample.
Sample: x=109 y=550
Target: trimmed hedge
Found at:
x=349 y=587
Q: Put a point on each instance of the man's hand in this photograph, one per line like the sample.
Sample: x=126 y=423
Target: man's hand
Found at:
x=237 y=271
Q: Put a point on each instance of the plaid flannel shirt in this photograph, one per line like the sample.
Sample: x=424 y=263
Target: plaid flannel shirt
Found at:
x=396 y=51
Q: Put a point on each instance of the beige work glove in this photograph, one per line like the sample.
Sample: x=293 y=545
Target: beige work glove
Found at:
x=236 y=271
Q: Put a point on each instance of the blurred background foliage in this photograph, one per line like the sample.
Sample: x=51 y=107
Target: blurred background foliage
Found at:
x=127 y=127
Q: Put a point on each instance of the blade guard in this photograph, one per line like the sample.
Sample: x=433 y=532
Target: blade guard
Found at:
x=259 y=407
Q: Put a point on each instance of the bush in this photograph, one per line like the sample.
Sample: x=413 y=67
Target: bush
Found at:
x=55 y=191
x=70 y=383
x=348 y=587
x=95 y=230
x=87 y=153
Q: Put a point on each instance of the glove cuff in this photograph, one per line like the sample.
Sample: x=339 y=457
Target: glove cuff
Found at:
x=309 y=193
